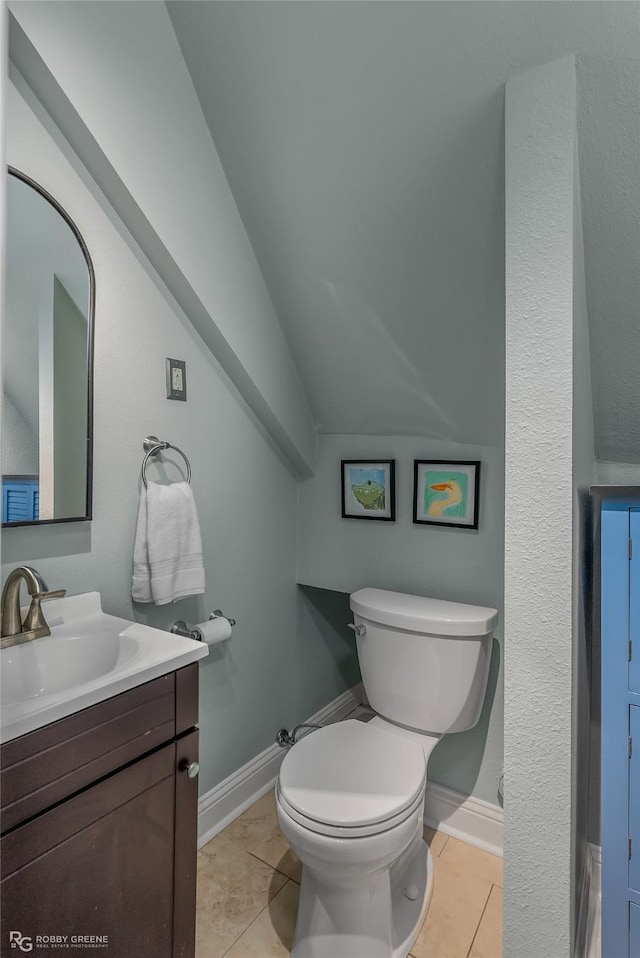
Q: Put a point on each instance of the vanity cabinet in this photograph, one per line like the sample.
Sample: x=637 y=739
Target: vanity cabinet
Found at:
x=99 y=827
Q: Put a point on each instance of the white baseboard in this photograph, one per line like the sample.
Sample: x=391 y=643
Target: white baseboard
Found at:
x=467 y=818
x=588 y=926
x=218 y=807
x=472 y=820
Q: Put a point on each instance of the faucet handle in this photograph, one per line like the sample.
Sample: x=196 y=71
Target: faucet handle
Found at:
x=34 y=619
x=56 y=594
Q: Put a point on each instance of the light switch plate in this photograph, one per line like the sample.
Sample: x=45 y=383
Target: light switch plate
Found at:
x=176 y=379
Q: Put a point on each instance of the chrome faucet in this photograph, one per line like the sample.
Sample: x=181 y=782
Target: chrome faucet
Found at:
x=13 y=630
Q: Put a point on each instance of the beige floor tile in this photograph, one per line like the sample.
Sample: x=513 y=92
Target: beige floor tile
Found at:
x=474 y=860
x=271 y=934
x=257 y=831
x=233 y=888
x=434 y=839
x=458 y=901
x=488 y=940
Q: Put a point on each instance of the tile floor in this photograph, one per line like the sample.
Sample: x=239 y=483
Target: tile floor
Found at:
x=248 y=885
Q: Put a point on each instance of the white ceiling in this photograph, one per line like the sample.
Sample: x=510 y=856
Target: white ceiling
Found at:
x=363 y=143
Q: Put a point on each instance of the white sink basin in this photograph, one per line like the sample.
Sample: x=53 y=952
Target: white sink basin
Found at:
x=88 y=657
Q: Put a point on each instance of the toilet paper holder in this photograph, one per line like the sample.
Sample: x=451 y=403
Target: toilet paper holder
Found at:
x=180 y=627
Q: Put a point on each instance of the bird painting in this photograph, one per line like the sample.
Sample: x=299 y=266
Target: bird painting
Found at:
x=445 y=495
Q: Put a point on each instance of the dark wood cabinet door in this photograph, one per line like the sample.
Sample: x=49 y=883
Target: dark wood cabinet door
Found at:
x=103 y=863
x=186 y=848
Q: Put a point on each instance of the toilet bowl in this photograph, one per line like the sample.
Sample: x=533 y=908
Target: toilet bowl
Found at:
x=350 y=801
x=350 y=796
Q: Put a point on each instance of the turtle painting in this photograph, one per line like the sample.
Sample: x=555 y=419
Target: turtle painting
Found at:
x=370 y=494
x=368 y=489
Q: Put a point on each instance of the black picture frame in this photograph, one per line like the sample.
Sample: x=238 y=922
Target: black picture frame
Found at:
x=353 y=508
x=470 y=469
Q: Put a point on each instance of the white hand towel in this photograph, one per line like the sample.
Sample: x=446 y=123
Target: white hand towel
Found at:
x=174 y=566
x=141 y=586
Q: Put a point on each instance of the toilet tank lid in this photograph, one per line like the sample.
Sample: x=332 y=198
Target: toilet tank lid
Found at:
x=416 y=613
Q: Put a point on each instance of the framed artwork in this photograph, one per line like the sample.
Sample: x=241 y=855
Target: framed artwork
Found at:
x=368 y=489
x=446 y=493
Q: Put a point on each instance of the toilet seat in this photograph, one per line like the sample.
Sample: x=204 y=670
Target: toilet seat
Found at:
x=340 y=831
x=352 y=780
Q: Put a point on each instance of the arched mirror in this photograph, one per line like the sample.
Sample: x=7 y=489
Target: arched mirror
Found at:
x=47 y=361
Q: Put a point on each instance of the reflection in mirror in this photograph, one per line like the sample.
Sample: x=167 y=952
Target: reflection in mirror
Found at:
x=47 y=361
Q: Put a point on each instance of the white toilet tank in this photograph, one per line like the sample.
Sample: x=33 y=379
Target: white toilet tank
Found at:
x=424 y=662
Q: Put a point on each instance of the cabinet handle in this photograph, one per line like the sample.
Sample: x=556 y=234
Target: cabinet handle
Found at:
x=191 y=768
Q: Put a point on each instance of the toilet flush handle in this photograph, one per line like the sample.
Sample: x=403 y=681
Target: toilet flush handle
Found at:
x=358 y=629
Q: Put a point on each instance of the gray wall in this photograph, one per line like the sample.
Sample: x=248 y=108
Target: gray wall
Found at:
x=286 y=658
x=617 y=473
x=291 y=652
x=456 y=564
x=113 y=78
x=363 y=146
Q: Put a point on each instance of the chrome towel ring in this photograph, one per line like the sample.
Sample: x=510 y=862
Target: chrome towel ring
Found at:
x=152 y=447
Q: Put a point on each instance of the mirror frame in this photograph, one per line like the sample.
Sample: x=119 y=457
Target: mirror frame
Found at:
x=12 y=171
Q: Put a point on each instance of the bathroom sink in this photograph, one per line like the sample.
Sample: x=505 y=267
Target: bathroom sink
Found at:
x=61 y=662
x=88 y=657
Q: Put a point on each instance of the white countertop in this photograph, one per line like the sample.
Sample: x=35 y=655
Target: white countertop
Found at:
x=89 y=657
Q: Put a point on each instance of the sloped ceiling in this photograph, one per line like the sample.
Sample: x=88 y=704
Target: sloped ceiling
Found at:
x=363 y=143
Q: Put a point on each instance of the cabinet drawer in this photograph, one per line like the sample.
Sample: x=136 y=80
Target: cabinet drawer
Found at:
x=48 y=765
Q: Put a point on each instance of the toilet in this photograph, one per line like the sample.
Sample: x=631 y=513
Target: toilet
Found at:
x=350 y=796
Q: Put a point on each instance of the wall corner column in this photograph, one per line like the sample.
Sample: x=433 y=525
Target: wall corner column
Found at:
x=540 y=109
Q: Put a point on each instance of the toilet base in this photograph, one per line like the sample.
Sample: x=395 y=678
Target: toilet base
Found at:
x=375 y=921
x=409 y=916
